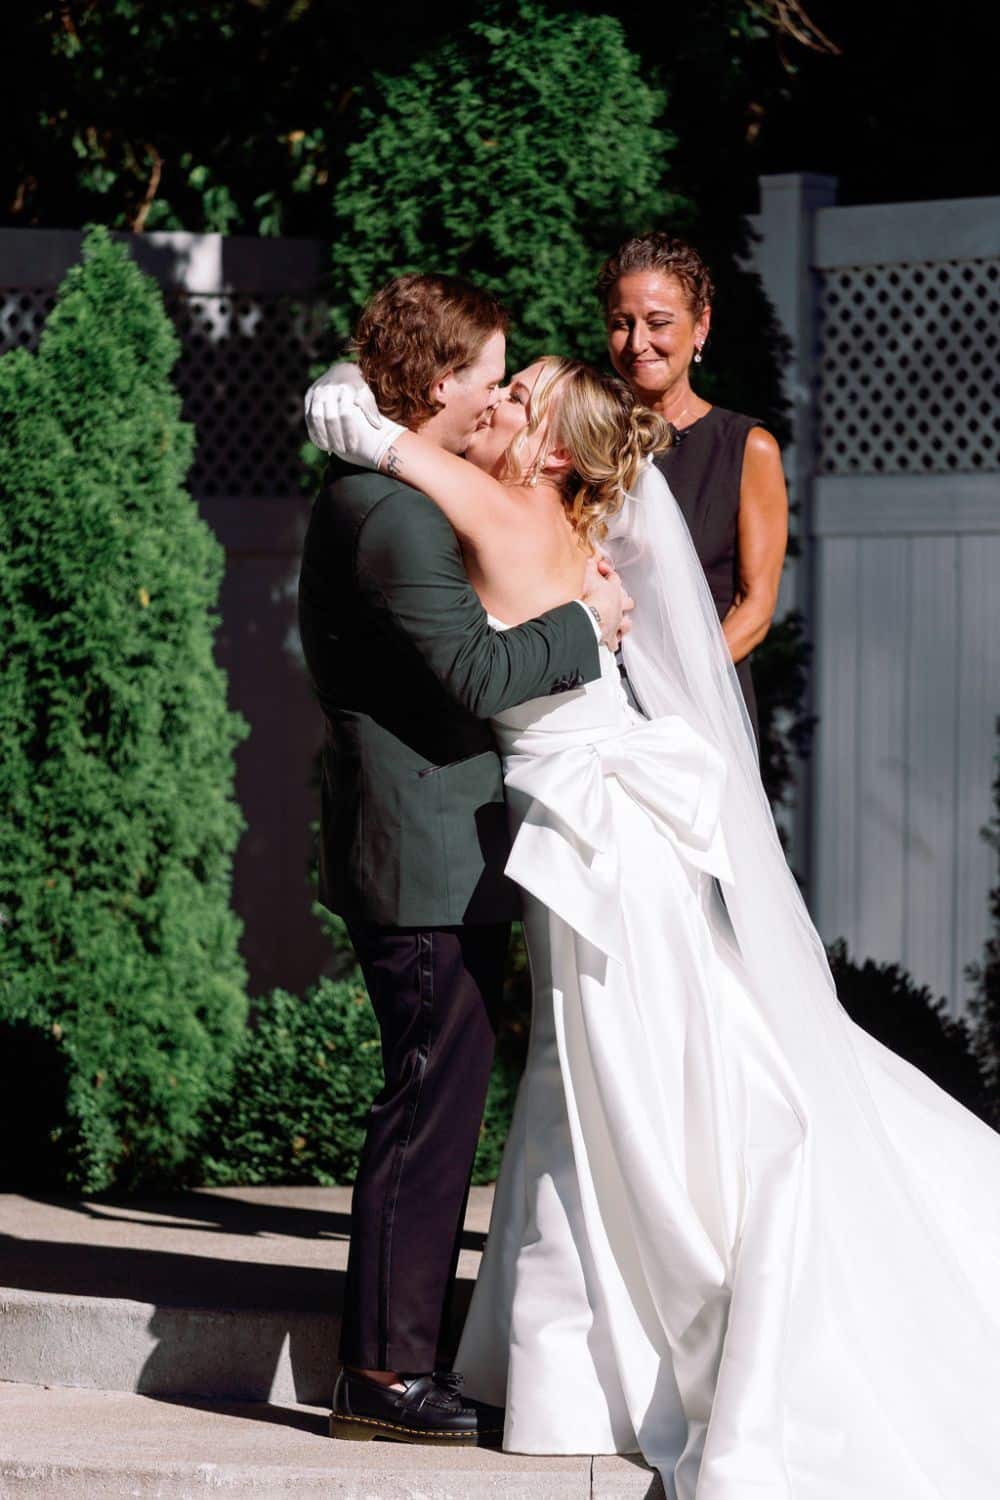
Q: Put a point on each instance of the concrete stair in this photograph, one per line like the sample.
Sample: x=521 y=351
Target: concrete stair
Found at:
x=99 y=1445
x=229 y=1294
x=178 y=1347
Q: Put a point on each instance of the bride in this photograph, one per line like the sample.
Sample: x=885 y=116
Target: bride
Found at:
x=732 y=1232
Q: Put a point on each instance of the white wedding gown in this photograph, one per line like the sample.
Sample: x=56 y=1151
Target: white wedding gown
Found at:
x=672 y=1269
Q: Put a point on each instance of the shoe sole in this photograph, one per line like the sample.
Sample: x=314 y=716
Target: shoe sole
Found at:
x=364 y=1429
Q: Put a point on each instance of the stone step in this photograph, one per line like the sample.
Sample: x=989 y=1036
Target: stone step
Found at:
x=231 y=1294
x=59 y=1444
x=234 y=1353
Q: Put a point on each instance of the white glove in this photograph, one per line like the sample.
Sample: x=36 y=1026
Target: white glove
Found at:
x=343 y=372
x=342 y=418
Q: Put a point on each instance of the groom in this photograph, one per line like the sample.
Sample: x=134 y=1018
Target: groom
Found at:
x=414 y=836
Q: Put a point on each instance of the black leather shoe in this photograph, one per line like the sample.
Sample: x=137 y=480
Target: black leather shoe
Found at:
x=429 y=1410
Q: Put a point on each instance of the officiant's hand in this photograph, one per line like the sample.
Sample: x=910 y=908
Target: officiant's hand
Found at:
x=342 y=418
x=603 y=591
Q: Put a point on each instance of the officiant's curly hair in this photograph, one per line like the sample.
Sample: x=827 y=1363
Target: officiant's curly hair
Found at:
x=668 y=255
x=417 y=329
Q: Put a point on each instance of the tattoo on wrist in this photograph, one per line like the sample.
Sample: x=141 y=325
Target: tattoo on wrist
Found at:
x=392 y=463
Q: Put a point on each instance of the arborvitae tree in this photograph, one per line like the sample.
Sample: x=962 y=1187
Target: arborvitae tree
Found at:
x=121 y=987
x=518 y=153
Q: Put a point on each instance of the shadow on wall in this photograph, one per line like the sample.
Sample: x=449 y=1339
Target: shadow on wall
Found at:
x=257 y=645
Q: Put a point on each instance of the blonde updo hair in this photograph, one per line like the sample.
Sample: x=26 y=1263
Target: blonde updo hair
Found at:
x=606 y=432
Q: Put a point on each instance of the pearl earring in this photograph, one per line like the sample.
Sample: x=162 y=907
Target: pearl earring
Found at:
x=697 y=354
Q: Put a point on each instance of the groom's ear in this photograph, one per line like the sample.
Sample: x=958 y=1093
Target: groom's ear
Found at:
x=441 y=388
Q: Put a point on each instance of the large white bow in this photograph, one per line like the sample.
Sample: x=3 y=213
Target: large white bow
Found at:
x=565 y=850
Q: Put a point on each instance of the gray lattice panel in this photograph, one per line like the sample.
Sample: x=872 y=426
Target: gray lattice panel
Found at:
x=244 y=365
x=909 y=368
x=22 y=317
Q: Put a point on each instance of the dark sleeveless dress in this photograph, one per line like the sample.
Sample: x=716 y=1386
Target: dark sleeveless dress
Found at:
x=704 y=471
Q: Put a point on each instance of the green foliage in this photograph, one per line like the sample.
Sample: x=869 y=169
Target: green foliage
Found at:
x=985 y=976
x=100 y=123
x=745 y=374
x=747 y=348
x=512 y=1049
x=104 y=125
x=500 y=1098
x=516 y=154
x=119 y=971
x=306 y=1073
x=906 y=1018
x=780 y=676
x=343 y=961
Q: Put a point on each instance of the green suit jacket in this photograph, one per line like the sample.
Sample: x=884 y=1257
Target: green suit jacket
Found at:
x=408 y=671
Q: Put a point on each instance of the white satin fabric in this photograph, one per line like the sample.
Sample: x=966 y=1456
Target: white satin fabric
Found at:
x=668 y=1269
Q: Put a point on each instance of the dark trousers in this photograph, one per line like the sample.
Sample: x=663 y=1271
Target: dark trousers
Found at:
x=436 y=993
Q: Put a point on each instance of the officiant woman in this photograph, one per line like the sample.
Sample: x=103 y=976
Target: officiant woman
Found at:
x=724 y=467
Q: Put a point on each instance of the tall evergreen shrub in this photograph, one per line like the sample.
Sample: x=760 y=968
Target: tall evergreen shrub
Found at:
x=120 y=983
x=518 y=152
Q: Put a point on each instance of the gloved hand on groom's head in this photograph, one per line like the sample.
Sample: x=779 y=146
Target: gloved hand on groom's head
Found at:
x=342 y=418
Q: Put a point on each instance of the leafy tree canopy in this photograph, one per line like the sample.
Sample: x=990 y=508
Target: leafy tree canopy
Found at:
x=233 y=115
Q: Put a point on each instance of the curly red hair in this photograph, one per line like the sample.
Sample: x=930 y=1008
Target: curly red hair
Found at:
x=417 y=329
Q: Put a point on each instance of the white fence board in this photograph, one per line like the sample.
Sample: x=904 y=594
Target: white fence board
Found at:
x=872 y=234
x=978 y=709
x=908 y=689
x=836 y=843
x=931 y=743
x=906 y=504
x=882 y=625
